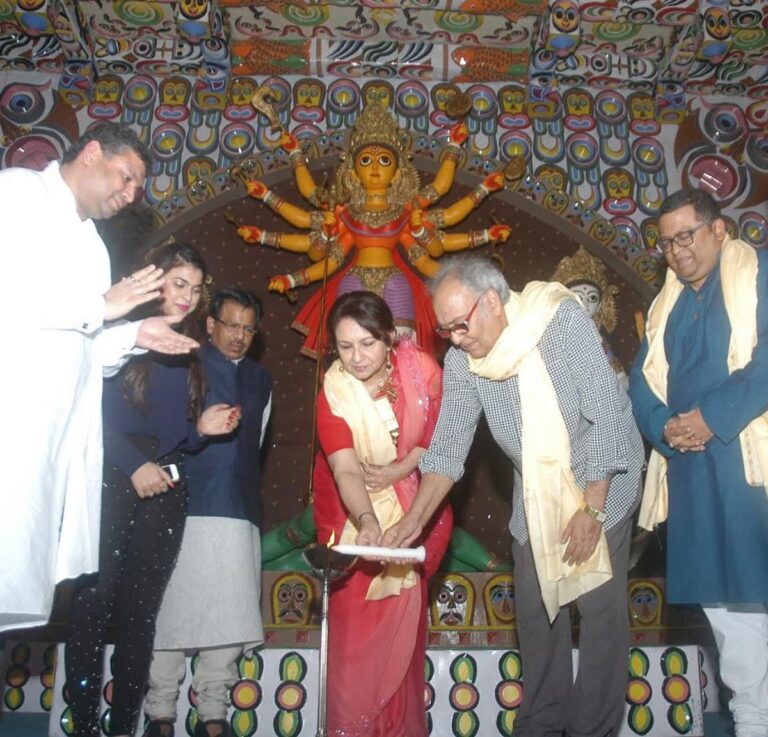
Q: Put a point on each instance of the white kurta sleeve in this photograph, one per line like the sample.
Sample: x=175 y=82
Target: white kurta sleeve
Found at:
x=81 y=312
x=115 y=345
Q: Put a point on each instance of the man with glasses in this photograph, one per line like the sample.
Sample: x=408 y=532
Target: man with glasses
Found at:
x=534 y=364
x=699 y=388
x=212 y=600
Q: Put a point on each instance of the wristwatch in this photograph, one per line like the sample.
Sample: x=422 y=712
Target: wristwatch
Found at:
x=594 y=513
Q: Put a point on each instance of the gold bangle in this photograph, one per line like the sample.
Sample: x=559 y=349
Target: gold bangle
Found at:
x=272 y=239
x=437 y=218
x=416 y=252
x=478 y=194
x=272 y=201
x=452 y=152
x=317 y=241
x=336 y=252
x=422 y=236
x=430 y=194
x=478 y=238
x=316 y=219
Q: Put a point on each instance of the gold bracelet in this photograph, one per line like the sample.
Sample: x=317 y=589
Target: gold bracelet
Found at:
x=416 y=252
x=272 y=201
x=422 y=236
x=478 y=194
x=437 y=218
x=452 y=152
x=336 y=252
x=430 y=194
x=316 y=219
x=317 y=241
x=478 y=238
x=270 y=238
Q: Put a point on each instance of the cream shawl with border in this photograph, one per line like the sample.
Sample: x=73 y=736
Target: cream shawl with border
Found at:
x=738 y=275
x=551 y=495
x=370 y=422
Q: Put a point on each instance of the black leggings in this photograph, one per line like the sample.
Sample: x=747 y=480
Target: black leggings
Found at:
x=140 y=539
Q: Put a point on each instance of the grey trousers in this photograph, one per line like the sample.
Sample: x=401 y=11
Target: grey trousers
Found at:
x=216 y=672
x=553 y=703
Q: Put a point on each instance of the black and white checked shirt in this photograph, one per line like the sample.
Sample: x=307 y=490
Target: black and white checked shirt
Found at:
x=595 y=407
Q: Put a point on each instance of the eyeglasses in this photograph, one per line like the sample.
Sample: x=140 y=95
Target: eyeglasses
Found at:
x=462 y=326
x=683 y=238
x=233 y=328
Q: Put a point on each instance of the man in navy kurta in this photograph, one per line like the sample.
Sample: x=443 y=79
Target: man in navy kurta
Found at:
x=717 y=533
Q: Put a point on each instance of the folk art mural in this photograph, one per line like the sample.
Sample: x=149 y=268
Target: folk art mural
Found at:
x=610 y=105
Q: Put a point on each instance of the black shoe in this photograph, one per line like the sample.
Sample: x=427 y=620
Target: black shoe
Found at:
x=159 y=728
x=213 y=728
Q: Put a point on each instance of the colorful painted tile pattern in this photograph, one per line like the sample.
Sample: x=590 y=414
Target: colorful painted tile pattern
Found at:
x=702 y=46
x=467 y=692
x=603 y=159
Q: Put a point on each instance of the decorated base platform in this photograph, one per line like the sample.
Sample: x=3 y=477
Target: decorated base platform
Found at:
x=475 y=679
x=473 y=610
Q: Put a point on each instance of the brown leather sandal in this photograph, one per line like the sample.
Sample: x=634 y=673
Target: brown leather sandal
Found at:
x=213 y=728
x=159 y=728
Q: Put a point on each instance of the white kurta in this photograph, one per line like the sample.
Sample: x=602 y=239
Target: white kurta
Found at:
x=56 y=269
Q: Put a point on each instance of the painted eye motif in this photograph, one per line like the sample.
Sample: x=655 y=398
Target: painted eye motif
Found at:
x=725 y=124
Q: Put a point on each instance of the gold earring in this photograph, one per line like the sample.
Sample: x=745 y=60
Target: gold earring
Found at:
x=388 y=365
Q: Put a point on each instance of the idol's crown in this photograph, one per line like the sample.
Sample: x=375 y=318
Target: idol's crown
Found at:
x=375 y=125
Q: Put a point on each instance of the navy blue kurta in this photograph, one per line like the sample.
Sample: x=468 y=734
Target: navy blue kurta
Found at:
x=225 y=475
x=717 y=531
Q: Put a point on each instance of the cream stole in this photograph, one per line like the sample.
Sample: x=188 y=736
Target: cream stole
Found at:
x=370 y=422
x=550 y=493
x=738 y=276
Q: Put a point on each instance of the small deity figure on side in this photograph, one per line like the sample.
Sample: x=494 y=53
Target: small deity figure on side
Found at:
x=375 y=203
x=586 y=276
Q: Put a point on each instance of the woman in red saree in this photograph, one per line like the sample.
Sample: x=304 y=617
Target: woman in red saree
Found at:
x=376 y=413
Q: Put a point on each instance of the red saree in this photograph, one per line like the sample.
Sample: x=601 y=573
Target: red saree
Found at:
x=376 y=648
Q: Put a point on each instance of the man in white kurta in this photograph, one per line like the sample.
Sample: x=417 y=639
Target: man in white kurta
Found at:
x=55 y=300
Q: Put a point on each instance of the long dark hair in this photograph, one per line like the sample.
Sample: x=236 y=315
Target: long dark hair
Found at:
x=368 y=310
x=136 y=375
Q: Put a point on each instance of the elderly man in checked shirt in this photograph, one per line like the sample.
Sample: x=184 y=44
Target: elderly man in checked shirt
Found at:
x=534 y=364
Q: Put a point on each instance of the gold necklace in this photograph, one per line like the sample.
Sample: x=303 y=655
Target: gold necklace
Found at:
x=375 y=218
x=387 y=387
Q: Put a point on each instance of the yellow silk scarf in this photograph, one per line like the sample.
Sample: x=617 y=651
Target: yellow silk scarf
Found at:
x=738 y=276
x=550 y=493
x=370 y=422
